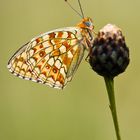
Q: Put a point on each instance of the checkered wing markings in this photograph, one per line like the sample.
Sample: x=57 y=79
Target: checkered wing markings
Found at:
x=49 y=60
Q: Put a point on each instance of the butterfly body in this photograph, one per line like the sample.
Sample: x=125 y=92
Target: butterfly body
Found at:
x=53 y=57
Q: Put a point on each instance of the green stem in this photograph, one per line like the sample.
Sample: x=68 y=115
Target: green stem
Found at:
x=110 y=89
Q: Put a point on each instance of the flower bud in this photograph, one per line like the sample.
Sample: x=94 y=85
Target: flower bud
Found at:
x=109 y=55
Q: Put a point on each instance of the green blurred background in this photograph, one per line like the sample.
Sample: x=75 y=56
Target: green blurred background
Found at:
x=31 y=111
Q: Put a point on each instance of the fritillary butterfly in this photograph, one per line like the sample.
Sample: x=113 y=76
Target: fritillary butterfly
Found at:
x=53 y=57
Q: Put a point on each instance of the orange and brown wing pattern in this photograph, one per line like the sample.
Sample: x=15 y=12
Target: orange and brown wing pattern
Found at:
x=51 y=58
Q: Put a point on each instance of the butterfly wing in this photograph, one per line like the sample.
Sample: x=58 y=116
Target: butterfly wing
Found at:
x=51 y=58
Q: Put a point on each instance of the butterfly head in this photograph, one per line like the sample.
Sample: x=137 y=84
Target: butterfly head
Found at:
x=86 y=23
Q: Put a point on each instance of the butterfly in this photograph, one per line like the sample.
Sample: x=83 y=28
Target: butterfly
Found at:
x=53 y=57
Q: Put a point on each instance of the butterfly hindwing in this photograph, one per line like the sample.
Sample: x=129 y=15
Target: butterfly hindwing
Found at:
x=51 y=58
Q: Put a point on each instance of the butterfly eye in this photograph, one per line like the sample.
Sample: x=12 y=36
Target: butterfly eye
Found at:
x=88 y=23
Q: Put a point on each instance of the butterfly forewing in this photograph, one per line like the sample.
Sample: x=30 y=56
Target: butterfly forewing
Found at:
x=51 y=58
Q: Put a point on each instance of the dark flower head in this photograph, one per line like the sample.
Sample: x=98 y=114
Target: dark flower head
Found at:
x=109 y=55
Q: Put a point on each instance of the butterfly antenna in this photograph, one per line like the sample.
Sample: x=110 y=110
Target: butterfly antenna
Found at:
x=74 y=9
x=81 y=8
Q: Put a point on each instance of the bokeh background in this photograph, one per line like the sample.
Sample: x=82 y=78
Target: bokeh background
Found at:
x=31 y=111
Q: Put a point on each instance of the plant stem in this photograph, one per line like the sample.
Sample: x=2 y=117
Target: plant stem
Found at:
x=110 y=90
